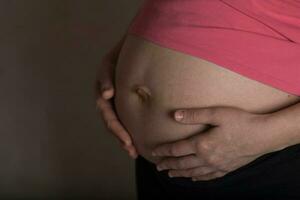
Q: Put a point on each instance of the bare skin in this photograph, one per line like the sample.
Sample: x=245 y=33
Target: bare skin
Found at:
x=232 y=143
x=104 y=92
x=228 y=146
x=138 y=94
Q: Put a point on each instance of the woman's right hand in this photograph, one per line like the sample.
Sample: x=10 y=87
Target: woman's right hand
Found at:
x=105 y=91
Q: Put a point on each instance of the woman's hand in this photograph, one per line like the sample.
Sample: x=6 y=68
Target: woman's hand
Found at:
x=237 y=138
x=104 y=92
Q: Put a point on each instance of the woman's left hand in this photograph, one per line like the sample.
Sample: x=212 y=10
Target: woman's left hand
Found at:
x=237 y=138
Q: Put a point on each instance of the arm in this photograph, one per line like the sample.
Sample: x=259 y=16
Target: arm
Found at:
x=284 y=126
x=237 y=138
x=105 y=91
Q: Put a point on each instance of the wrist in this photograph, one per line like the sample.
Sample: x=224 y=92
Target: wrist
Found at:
x=278 y=132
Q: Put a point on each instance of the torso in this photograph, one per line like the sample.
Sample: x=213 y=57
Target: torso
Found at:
x=169 y=80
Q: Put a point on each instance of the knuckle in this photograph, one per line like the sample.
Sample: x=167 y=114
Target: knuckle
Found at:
x=202 y=147
x=213 y=161
x=193 y=115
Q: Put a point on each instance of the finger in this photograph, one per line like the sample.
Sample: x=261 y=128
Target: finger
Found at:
x=131 y=151
x=112 y=121
x=184 y=162
x=179 y=148
x=209 y=176
x=133 y=155
x=194 y=172
x=104 y=89
x=107 y=90
x=205 y=115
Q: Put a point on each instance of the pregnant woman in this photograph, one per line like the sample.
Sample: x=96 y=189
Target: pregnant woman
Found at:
x=234 y=66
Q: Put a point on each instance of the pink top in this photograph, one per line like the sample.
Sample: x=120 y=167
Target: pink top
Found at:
x=255 y=38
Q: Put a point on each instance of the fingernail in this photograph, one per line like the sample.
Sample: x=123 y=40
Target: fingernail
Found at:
x=153 y=154
x=179 y=114
x=170 y=174
x=193 y=179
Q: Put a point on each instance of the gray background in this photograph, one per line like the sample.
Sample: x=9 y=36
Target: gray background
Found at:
x=53 y=144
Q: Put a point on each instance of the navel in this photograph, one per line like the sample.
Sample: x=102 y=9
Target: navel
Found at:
x=143 y=92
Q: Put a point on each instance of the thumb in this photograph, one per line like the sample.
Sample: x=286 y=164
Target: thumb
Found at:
x=105 y=89
x=206 y=115
x=104 y=79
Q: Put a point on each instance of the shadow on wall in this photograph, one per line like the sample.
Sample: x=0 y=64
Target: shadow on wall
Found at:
x=53 y=144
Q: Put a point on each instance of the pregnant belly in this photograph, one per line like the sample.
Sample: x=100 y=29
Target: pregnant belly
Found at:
x=151 y=82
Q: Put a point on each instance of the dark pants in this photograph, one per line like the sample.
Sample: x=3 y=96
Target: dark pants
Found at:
x=272 y=176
